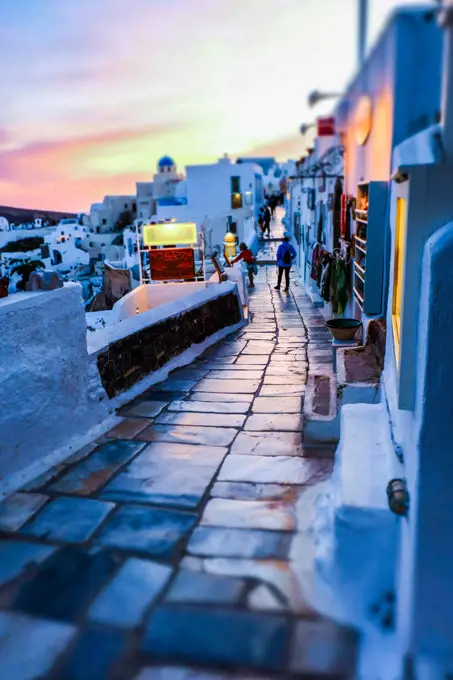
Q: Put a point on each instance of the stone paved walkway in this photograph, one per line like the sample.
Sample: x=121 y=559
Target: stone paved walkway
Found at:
x=171 y=549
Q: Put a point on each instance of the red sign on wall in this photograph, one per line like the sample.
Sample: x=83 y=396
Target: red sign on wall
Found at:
x=170 y=264
x=326 y=126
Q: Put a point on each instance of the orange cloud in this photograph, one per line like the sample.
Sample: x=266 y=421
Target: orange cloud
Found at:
x=69 y=196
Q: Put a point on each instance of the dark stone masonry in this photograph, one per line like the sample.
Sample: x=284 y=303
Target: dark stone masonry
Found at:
x=132 y=358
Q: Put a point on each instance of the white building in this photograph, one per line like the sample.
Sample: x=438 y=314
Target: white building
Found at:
x=104 y=216
x=221 y=196
x=165 y=185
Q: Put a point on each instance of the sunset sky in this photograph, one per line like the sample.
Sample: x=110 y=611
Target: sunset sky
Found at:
x=95 y=91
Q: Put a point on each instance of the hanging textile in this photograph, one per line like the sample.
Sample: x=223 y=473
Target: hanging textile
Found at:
x=326 y=278
x=333 y=286
x=336 y=211
x=314 y=262
x=342 y=286
x=320 y=234
x=344 y=204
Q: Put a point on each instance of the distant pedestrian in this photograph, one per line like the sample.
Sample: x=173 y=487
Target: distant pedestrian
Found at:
x=272 y=205
x=261 y=222
x=267 y=220
x=285 y=257
x=250 y=260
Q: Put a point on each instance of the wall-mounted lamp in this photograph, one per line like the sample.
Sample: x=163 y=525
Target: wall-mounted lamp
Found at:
x=316 y=96
x=305 y=127
x=398 y=497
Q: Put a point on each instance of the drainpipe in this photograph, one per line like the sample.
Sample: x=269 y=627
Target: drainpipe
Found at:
x=446 y=21
x=363 y=11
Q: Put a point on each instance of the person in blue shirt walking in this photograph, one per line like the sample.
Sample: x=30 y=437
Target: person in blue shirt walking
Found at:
x=285 y=257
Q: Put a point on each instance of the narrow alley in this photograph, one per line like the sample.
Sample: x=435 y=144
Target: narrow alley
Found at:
x=172 y=549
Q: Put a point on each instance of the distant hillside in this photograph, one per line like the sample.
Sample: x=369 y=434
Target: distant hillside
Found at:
x=28 y=215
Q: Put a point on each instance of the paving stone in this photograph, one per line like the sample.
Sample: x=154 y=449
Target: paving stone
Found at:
x=144 y=409
x=95 y=655
x=268 y=469
x=189 y=373
x=163 y=397
x=127 y=428
x=202 y=419
x=229 y=638
x=210 y=407
x=146 y=530
x=259 y=335
x=283 y=576
x=218 y=396
x=175 y=385
x=261 y=344
x=68 y=519
x=18 y=508
x=251 y=360
x=268 y=443
x=282 y=359
x=236 y=375
x=262 y=598
x=245 y=543
x=182 y=434
x=16 y=556
x=277 y=405
x=293 y=378
x=228 y=349
x=44 y=479
x=125 y=599
x=234 y=368
x=198 y=587
x=220 y=360
x=167 y=474
x=239 y=514
x=80 y=454
x=277 y=422
x=257 y=351
x=179 y=673
x=321 y=647
x=289 y=370
x=29 y=647
x=65 y=583
x=227 y=386
x=279 y=390
x=92 y=472
x=244 y=491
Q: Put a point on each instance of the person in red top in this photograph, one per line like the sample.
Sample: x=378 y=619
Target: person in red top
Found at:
x=249 y=259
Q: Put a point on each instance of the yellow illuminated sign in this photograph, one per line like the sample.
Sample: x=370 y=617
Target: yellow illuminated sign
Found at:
x=169 y=234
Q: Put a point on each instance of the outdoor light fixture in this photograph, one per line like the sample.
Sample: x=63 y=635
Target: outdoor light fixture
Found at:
x=316 y=96
x=398 y=497
x=305 y=127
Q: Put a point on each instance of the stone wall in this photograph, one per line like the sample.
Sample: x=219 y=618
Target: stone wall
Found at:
x=51 y=391
x=130 y=359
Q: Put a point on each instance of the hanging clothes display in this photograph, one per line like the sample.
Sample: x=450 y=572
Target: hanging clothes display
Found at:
x=333 y=286
x=314 y=261
x=326 y=277
x=320 y=232
x=336 y=211
x=342 y=286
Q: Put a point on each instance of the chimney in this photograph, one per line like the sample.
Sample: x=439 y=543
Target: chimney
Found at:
x=446 y=21
x=362 y=29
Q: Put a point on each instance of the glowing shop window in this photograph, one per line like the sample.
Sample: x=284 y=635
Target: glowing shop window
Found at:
x=400 y=239
x=169 y=233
